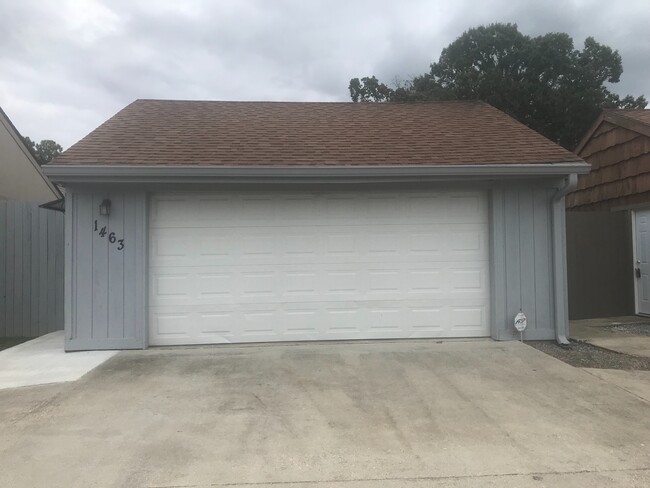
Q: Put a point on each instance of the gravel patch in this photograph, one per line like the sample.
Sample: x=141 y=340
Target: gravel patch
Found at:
x=583 y=355
x=631 y=329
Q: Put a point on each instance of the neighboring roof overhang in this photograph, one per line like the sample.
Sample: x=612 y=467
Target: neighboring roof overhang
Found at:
x=619 y=118
x=616 y=118
x=21 y=178
x=202 y=174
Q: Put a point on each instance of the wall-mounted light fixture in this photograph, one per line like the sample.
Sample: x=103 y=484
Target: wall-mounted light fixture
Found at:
x=105 y=207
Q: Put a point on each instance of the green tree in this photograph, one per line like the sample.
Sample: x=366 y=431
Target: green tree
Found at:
x=369 y=89
x=44 y=151
x=544 y=82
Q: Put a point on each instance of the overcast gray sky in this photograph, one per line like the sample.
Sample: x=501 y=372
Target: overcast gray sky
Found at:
x=68 y=65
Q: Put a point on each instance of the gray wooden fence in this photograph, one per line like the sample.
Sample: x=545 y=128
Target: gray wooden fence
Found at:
x=31 y=270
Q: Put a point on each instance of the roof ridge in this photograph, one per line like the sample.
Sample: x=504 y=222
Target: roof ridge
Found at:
x=307 y=102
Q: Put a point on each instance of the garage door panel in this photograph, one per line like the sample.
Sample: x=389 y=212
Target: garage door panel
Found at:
x=234 y=210
x=425 y=281
x=384 y=207
x=174 y=326
x=170 y=209
x=228 y=247
x=419 y=207
x=215 y=284
x=301 y=284
x=252 y=284
x=426 y=244
x=173 y=286
x=304 y=266
x=466 y=206
x=426 y=318
x=171 y=249
x=319 y=320
x=302 y=322
x=465 y=280
x=382 y=245
x=467 y=318
x=216 y=324
x=214 y=246
x=340 y=282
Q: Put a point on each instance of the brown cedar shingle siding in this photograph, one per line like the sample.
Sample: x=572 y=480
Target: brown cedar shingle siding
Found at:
x=619 y=151
x=157 y=132
x=608 y=140
x=604 y=127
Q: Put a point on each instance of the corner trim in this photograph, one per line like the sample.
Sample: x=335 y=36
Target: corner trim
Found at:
x=634 y=254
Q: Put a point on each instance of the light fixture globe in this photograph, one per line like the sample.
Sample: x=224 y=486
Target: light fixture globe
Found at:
x=105 y=207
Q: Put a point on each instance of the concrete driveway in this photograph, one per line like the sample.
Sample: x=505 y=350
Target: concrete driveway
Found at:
x=412 y=413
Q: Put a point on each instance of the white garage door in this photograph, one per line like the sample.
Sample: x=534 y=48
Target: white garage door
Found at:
x=253 y=267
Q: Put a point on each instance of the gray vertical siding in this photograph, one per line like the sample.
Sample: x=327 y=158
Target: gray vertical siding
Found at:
x=521 y=241
x=105 y=289
x=31 y=270
x=105 y=286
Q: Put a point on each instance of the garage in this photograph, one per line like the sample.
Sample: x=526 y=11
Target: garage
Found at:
x=210 y=222
x=295 y=266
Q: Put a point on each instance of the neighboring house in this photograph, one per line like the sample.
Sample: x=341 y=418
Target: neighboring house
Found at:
x=213 y=222
x=31 y=242
x=607 y=223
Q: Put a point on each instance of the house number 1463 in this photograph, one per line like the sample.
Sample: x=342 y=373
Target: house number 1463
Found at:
x=111 y=236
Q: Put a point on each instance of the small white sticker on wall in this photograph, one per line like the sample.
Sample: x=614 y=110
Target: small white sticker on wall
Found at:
x=521 y=322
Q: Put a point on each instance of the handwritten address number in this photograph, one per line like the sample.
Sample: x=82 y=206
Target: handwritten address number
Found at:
x=111 y=236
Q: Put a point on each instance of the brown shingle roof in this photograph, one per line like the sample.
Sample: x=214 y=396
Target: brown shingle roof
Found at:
x=158 y=132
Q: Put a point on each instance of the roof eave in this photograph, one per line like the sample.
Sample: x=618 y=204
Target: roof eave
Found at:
x=66 y=174
x=587 y=137
x=623 y=120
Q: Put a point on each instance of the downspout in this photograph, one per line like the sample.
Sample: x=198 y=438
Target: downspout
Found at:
x=560 y=293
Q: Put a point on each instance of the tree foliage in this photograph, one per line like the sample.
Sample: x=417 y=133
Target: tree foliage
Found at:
x=544 y=82
x=44 y=151
x=369 y=89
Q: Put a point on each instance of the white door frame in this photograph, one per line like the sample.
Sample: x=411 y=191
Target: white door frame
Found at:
x=636 y=284
x=634 y=260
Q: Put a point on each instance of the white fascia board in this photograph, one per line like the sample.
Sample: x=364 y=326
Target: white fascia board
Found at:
x=287 y=174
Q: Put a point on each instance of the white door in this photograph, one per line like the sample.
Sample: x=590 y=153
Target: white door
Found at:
x=295 y=266
x=642 y=265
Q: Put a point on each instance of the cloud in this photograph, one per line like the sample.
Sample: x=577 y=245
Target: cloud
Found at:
x=69 y=65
